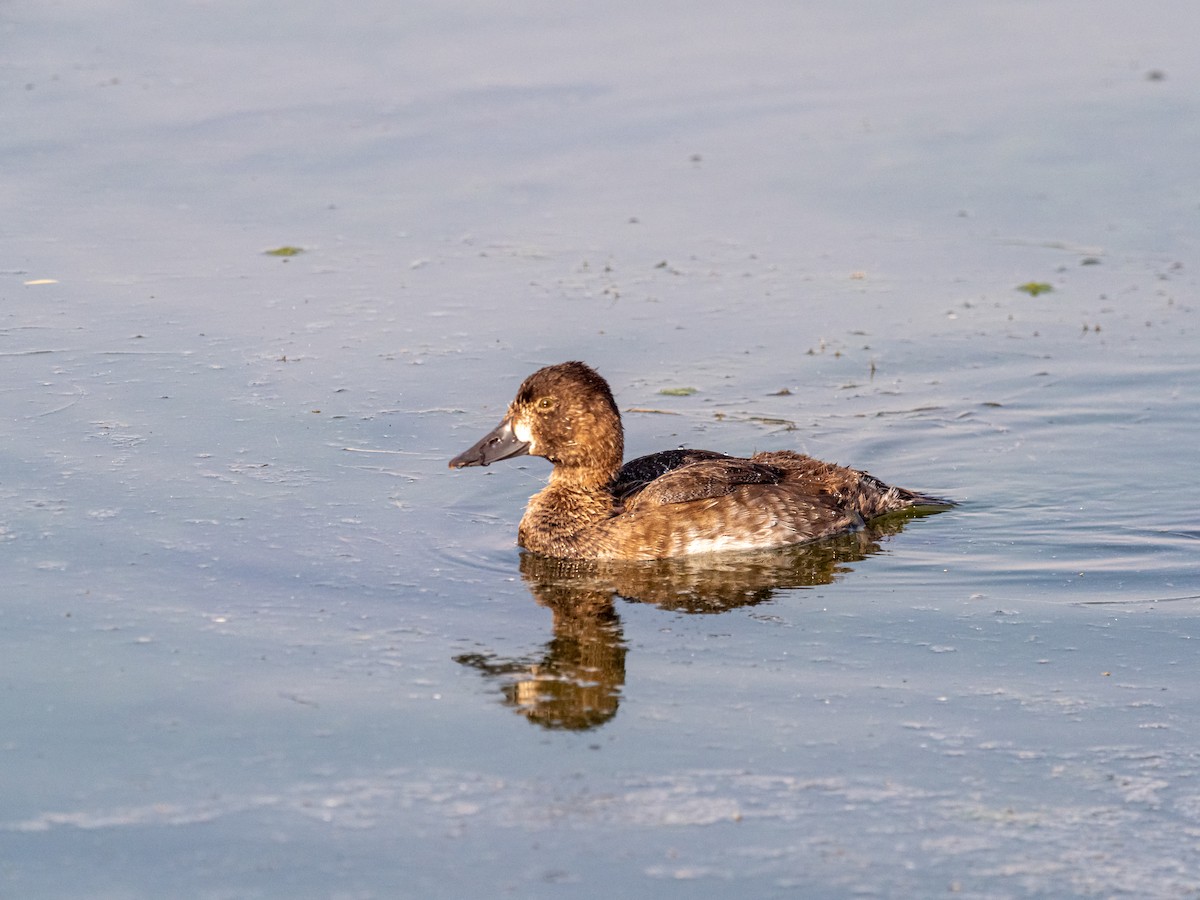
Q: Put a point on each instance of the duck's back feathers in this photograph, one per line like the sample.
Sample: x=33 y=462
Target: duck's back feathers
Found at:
x=680 y=476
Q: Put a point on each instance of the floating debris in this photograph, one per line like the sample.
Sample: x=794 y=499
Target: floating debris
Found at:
x=1033 y=288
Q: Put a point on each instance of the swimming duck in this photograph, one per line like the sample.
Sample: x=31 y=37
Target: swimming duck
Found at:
x=665 y=504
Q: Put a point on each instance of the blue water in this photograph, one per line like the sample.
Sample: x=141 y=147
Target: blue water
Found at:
x=258 y=641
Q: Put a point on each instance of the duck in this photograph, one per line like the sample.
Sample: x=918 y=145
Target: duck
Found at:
x=671 y=503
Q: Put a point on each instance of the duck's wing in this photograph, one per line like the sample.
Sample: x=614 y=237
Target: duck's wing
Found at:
x=637 y=473
x=701 y=477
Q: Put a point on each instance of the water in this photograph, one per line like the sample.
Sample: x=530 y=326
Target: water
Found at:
x=259 y=642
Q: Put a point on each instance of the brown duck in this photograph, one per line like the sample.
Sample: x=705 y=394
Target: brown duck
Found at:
x=671 y=503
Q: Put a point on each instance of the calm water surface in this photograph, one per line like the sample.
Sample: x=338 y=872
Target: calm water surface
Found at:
x=259 y=642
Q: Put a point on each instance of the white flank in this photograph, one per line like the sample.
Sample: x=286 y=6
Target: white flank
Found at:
x=724 y=542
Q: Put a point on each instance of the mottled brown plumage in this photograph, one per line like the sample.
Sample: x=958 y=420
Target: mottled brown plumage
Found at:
x=666 y=504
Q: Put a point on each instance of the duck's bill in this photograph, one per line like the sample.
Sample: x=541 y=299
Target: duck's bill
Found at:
x=500 y=443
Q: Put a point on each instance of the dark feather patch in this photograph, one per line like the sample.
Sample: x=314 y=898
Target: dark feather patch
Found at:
x=700 y=475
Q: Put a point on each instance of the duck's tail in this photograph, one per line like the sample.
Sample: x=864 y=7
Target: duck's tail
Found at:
x=878 y=498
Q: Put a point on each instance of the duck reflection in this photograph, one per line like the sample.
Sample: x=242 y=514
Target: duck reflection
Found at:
x=576 y=682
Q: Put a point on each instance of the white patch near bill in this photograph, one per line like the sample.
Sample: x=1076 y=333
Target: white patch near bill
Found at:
x=524 y=435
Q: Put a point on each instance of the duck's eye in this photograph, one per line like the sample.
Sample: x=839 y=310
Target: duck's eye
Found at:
x=545 y=403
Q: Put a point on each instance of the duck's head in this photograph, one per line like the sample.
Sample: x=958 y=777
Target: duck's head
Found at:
x=565 y=413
